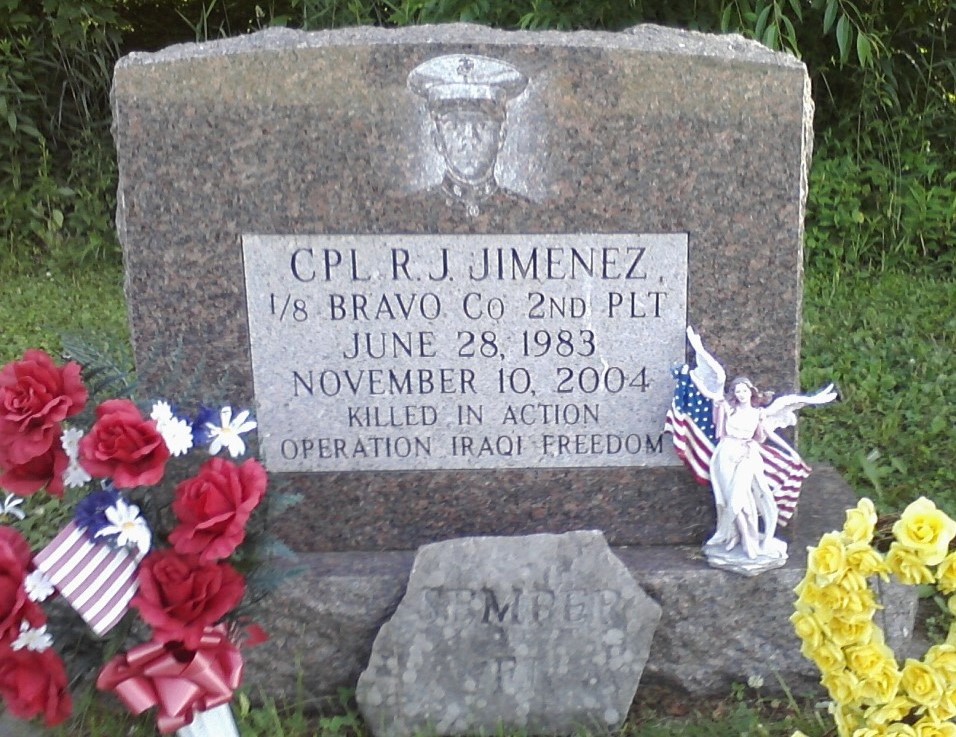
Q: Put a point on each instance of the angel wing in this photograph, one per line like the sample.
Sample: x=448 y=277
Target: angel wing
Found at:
x=708 y=375
x=782 y=411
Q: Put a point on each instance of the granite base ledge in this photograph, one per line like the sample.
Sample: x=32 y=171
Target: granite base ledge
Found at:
x=717 y=628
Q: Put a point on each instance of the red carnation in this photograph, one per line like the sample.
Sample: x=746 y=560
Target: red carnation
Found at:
x=43 y=470
x=15 y=607
x=35 y=396
x=179 y=596
x=34 y=683
x=124 y=446
x=214 y=506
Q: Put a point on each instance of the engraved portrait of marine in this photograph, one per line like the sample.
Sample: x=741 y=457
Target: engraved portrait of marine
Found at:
x=467 y=98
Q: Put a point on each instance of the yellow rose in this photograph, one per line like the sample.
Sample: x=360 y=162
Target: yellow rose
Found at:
x=893 y=710
x=907 y=565
x=883 y=686
x=827 y=561
x=922 y=683
x=808 y=628
x=860 y=522
x=850 y=632
x=932 y=728
x=844 y=687
x=849 y=605
x=925 y=530
x=946 y=574
x=828 y=656
x=944 y=710
x=869 y=660
x=847 y=719
x=808 y=597
x=853 y=581
x=942 y=657
x=865 y=561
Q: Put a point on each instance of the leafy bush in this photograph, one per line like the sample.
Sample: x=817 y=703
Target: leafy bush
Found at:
x=56 y=62
x=889 y=204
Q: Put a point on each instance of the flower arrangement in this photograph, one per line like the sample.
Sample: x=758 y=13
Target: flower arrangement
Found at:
x=108 y=562
x=872 y=695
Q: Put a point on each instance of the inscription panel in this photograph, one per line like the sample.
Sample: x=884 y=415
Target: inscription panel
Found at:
x=384 y=352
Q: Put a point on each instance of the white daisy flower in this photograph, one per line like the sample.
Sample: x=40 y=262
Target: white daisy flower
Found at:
x=71 y=442
x=9 y=507
x=75 y=476
x=227 y=433
x=177 y=433
x=178 y=436
x=161 y=413
x=129 y=529
x=30 y=638
x=38 y=586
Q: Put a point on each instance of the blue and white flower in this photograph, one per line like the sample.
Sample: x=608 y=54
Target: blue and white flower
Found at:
x=227 y=433
x=32 y=638
x=177 y=433
x=10 y=505
x=125 y=528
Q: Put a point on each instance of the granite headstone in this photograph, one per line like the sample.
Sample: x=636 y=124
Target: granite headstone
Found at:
x=452 y=266
x=541 y=633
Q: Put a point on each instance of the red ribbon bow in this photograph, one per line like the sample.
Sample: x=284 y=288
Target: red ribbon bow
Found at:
x=180 y=682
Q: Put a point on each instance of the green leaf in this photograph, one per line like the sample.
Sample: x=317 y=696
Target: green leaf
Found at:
x=797 y=10
x=843 y=34
x=771 y=38
x=829 y=15
x=761 y=24
x=725 y=18
x=12 y=121
x=864 y=50
x=57 y=218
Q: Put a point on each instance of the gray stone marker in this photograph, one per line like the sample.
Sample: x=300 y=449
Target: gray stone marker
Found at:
x=541 y=633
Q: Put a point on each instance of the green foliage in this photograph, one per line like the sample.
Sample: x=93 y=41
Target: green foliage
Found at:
x=56 y=61
x=885 y=205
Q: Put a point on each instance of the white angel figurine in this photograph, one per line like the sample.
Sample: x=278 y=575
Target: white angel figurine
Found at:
x=744 y=420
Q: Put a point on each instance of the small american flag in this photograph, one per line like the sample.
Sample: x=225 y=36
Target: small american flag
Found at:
x=97 y=580
x=690 y=420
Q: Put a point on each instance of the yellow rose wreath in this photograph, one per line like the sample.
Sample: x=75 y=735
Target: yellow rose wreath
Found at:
x=872 y=696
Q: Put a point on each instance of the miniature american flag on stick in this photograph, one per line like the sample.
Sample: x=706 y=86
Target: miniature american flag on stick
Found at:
x=97 y=580
x=690 y=420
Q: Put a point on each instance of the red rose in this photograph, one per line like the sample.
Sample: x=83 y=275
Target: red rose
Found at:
x=34 y=683
x=214 y=506
x=179 y=596
x=35 y=396
x=124 y=446
x=43 y=470
x=15 y=607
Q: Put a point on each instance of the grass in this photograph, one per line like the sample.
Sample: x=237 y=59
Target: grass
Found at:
x=37 y=308
x=888 y=340
x=656 y=713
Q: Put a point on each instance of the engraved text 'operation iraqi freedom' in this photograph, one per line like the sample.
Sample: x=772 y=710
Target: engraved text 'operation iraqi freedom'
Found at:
x=398 y=352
